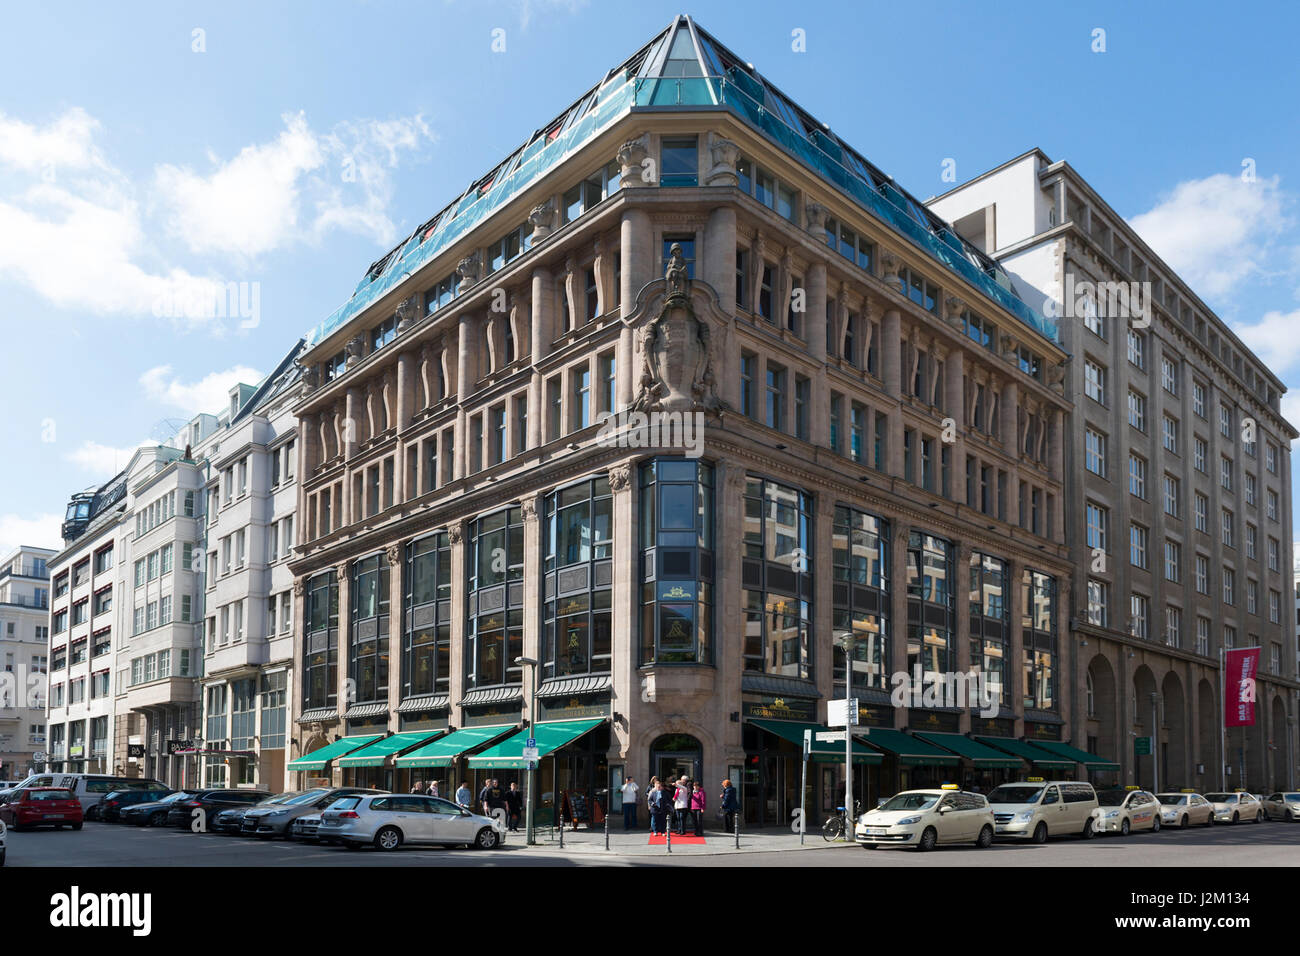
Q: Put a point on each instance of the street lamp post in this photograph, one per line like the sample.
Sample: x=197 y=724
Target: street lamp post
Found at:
x=847 y=643
x=530 y=833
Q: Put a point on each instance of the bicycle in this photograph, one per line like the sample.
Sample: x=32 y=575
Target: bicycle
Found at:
x=839 y=826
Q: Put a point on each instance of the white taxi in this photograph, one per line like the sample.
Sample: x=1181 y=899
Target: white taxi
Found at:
x=1185 y=809
x=1283 y=806
x=1236 y=807
x=1122 y=811
x=926 y=818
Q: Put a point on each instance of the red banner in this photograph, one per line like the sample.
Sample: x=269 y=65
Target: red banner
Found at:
x=1239 y=687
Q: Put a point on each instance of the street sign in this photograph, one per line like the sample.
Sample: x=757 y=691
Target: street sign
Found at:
x=530 y=753
x=40 y=756
x=807 y=744
x=1142 y=746
x=831 y=737
x=837 y=709
x=531 y=743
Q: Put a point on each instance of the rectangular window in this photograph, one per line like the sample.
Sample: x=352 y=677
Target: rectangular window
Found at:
x=1171 y=496
x=1137 y=476
x=1227 y=528
x=1203 y=636
x=1169 y=375
x=1137 y=546
x=1139 y=618
x=679 y=162
x=1173 y=627
x=1169 y=432
x=748 y=404
x=1202 y=574
x=1096 y=524
x=1229 y=583
x=1225 y=473
x=1173 y=561
x=1137 y=410
x=1094 y=383
x=1136 y=349
x=774 y=397
x=1199 y=452
x=1198 y=399
x=1095 y=452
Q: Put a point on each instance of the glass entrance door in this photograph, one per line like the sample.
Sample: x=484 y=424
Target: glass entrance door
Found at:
x=676 y=756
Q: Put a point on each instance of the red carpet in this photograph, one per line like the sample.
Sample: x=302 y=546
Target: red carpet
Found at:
x=660 y=840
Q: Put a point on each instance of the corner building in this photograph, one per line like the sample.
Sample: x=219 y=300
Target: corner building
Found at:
x=882 y=462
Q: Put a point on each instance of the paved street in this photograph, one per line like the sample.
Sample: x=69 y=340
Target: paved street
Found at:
x=1268 y=844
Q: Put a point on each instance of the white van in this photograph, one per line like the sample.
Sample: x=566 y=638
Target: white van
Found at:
x=1034 y=809
x=89 y=788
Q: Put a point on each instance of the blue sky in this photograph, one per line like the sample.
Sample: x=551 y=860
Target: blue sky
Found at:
x=151 y=151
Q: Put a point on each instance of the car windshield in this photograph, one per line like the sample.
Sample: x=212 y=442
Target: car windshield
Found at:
x=1291 y=797
x=1111 y=798
x=1172 y=799
x=1221 y=797
x=178 y=795
x=51 y=795
x=910 y=801
x=1012 y=793
x=306 y=796
x=345 y=803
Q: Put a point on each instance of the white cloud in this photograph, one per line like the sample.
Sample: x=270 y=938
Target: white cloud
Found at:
x=39 y=531
x=104 y=461
x=67 y=142
x=1291 y=410
x=1218 y=231
x=209 y=394
x=527 y=9
x=1274 y=339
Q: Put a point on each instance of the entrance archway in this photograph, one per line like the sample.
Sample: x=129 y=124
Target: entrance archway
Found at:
x=1173 y=751
x=676 y=755
x=1207 y=738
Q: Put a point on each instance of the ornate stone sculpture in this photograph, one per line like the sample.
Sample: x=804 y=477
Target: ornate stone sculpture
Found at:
x=890 y=265
x=394 y=554
x=310 y=380
x=630 y=157
x=528 y=508
x=723 y=155
x=408 y=313
x=620 y=477
x=1008 y=347
x=676 y=351
x=953 y=308
x=1056 y=378
x=815 y=214
x=456 y=532
x=355 y=350
x=468 y=269
x=298 y=586
x=543 y=219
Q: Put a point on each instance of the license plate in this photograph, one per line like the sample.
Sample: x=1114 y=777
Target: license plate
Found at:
x=877 y=830
x=54 y=816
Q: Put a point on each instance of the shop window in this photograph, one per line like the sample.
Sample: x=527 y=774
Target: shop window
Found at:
x=368 y=635
x=777 y=576
x=494 y=633
x=320 y=642
x=860 y=569
x=677 y=562
x=427 y=639
x=577 y=631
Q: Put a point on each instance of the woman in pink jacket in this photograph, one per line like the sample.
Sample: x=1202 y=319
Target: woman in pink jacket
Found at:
x=697 y=808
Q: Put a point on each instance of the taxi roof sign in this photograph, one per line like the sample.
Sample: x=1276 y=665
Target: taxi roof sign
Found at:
x=950 y=786
x=1132 y=787
x=1034 y=779
x=1187 y=790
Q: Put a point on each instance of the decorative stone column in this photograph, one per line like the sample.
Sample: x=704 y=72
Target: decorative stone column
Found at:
x=530 y=507
x=637 y=253
x=819 y=429
x=466 y=376
x=396 y=555
x=891 y=371
x=1056 y=458
x=1014 y=651
x=626 y=602
x=954 y=407
x=1008 y=432
x=720 y=256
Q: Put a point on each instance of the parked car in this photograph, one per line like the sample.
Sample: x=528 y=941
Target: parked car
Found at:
x=42 y=806
x=154 y=813
x=2 y=843
x=273 y=821
x=88 y=788
x=1123 y=811
x=1185 y=809
x=211 y=802
x=1236 y=807
x=389 y=820
x=1035 y=809
x=232 y=820
x=925 y=818
x=305 y=828
x=109 y=808
x=1283 y=806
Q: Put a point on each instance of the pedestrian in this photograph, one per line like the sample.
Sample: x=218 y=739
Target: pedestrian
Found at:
x=659 y=803
x=730 y=804
x=415 y=787
x=463 y=795
x=433 y=788
x=682 y=804
x=698 y=807
x=629 y=790
x=491 y=797
x=514 y=806
x=654 y=781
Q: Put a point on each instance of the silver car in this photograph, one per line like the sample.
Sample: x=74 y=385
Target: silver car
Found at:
x=269 y=821
x=1283 y=806
x=387 y=821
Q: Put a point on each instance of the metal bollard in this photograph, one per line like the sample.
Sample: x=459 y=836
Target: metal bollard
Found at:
x=737 y=815
x=668 y=835
x=561 y=821
x=607 y=826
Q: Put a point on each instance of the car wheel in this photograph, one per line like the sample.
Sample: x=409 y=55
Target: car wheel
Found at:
x=76 y=826
x=2 y=857
x=985 y=839
x=1259 y=817
x=1183 y=823
x=1235 y=818
x=1155 y=825
x=389 y=838
x=1209 y=821
x=1040 y=833
x=1123 y=828
x=487 y=839
x=1089 y=831
x=928 y=839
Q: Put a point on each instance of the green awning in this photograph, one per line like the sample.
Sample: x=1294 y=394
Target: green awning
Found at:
x=1031 y=752
x=911 y=751
x=1091 y=761
x=550 y=736
x=374 y=754
x=317 y=759
x=822 y=751
x=981 y=756
x=444 y=750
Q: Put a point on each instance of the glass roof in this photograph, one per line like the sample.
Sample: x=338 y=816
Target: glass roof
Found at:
x=685 y=67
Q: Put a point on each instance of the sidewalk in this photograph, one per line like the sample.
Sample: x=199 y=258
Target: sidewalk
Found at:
x=637 y=842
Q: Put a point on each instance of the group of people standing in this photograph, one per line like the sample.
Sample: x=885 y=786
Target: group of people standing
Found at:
x=686 y=802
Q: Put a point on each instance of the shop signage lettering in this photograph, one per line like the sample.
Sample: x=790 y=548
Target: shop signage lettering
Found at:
x=677 y=591
x=780 y=708
x=932 y=720
x=556 y=708
x=1042 y=731
x=479 y=717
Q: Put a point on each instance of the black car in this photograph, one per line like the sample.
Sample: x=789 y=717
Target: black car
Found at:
x=182 y=813
x=154 y=813
x=110 y=806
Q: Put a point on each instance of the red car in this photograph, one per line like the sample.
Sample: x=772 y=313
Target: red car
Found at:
x=41 y=806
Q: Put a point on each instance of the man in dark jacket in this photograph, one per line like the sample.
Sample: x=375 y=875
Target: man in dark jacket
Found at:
x=659 y=804
x=514 y=806
x=730 y=804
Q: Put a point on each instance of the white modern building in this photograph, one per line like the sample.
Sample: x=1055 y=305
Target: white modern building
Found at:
x=251 y=496
x=24 y=651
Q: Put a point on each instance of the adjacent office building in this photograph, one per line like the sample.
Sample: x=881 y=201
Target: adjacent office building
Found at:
x=1178 y=476
x=24 y=651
